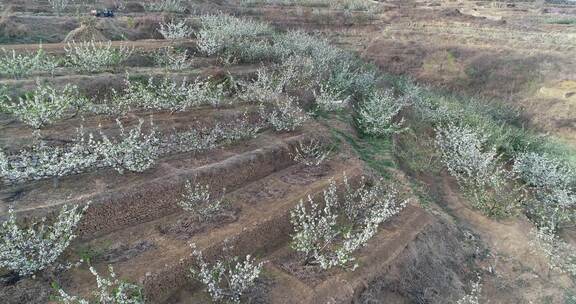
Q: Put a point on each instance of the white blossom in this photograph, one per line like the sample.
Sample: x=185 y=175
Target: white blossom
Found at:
x=31 y=249
x=200 y=202
x=95 y=56
x=311 y=154
x=316 y=233
x=226 y=279
x=377 y=114
x=109 y=291
x=478 y=170
x=45 y=105
x=561 y=255
x=173 y=30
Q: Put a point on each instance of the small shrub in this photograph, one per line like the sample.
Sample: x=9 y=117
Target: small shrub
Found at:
x=209 y=138
x=29 y=250
x=198 y=200
x=173 y=59
x=59 y=6
x=170 y=6
x=43 y=161
x=174 y=30
x=478 y=170
x=45 y=105
x=376 y=114
x=474 y=296
x=109 y=291
x=317 y=234
x=167 y=94
x=331 y=99
x=95 y=56
x=311 y=154
x=132 y=150
x=285 y=115
x=226 y=279
x=267 y=87
x=20 y=65
x=228 y=36
x=561 y=255
x=552 y=183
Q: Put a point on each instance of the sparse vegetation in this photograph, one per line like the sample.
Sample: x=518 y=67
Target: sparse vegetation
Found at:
x=478 y=170
x=109 y=291
x=20 y=65
x=27 y=250
x=169 y=6
x=95 y=56
x=311 y=154
x=561 y=255
x=59 y=6
x=200 y=202
x=284 y=115
x=175 y=30
x=376 y=114
x=173 y=59
x=45 y=105
x=425 y=139
x=317 y=231
x=227 y=279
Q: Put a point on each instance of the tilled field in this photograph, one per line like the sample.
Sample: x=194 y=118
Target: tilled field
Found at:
x=216 y=136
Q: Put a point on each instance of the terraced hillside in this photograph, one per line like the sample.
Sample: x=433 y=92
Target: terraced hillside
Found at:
x=261 y=151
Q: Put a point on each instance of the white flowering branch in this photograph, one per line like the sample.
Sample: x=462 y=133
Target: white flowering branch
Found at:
x=29 y=250
x=227 y=279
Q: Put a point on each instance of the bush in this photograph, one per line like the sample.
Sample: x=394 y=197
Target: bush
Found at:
x=317 y=234
x=95 y=56
x=132 y=150
x=375 y=115
x=45 y=105
x=174 y=30
x=226 y=279
x=561 y=255
x=474 y=296
x=58 y=6
x=552 y=183
x=268 y=87
x=311 y=154
x=478 y=170
x=331 y=98
x=210 y=138
x=170 y=6
x=29 y=250
x=228 y=36
x=167 y=94
x=22 y=65
x=172 y=59
x=284 y=116
x=110 y=291
x=199 y=202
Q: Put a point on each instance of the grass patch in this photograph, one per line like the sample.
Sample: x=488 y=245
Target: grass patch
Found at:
x=375 y=152
x=564 y=21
